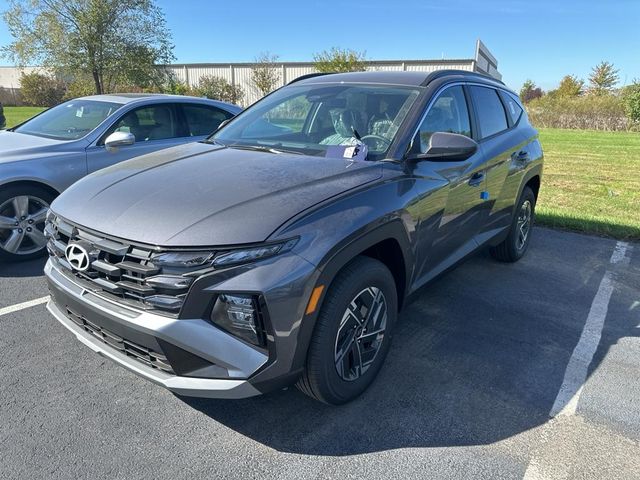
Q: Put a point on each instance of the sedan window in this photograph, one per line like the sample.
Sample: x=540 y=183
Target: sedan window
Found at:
x=203 y=119
x=155 y=122
x=70 y=120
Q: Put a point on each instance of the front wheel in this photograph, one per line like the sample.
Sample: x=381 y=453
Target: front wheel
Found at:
x=352 y=333
x=23 y=211
x=515 y=245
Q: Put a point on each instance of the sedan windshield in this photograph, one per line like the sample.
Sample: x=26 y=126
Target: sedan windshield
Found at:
x=323 y=120
x=69 y=120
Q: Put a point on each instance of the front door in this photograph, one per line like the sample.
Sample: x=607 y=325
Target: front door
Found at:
x=453 y=214
x=155 y=127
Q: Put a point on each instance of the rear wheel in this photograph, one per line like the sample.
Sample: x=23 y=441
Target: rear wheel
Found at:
x=352 y=333
x=23 y=211
x=515 y=245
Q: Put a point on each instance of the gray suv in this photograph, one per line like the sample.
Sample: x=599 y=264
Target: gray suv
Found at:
x=281 y=249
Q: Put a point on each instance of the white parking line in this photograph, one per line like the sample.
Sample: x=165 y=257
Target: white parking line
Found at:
x=619 y=254
x=578 y=367
x=23 y=305
x=576 y=373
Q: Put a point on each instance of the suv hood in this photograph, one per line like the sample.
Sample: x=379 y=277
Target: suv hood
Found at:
x=206 y=195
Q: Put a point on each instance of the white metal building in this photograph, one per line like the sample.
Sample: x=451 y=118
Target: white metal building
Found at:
x=240 y=73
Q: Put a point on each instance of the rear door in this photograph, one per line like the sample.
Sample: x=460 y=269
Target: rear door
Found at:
x=500 y=144
x=155 y=127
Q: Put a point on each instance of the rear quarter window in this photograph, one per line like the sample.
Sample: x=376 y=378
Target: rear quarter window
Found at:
x=514 y=110
x=489 y=110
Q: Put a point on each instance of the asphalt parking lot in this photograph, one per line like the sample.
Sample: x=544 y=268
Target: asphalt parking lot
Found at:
x=529 y=370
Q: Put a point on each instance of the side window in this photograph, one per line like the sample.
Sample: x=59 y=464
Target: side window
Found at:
x=514 y=110
x=491 y=114
x=449 y=113
x=154 y=122
x=203 y=120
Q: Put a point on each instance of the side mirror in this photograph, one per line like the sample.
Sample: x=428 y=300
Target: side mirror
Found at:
x=446 y=146
x=119 y=139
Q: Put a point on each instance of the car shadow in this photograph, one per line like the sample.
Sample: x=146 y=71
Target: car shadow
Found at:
x=477 y=357
x=31 y=268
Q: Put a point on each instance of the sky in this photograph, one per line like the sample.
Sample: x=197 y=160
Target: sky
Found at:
x=540 y=40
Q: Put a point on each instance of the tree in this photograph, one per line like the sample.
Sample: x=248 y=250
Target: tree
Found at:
x=339 y=60
x=40 y=90
x=603 y=78
x=530 y=91
x=631 y=99
x=110 y=41
x=264 y=73
x=219 y=89
x=570 y=86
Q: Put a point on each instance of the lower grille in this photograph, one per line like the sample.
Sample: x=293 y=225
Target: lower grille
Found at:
x=129 y=348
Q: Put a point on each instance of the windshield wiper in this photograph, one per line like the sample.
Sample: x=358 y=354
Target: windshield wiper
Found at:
x=264 y=148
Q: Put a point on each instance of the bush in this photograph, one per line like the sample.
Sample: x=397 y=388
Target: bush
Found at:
x=605 y=112
x=218 y=88
x=340 y=60
x=631 y=99
x=40 y=90
x=80 y=87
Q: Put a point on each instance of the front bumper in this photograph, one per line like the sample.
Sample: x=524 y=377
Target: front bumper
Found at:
x=196 y=337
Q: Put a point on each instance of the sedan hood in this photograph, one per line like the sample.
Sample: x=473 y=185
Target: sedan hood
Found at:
x=15 y=145
x=206 y=195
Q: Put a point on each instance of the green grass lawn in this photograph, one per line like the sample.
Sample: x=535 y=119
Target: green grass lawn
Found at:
x=16 y=115
x=591 y=182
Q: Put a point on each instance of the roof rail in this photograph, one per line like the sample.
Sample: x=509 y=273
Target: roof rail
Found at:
x=309 y=75
x=443 y=73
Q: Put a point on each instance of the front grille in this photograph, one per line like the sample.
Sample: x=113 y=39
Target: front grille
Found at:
x=117 y=270
x=129 y=348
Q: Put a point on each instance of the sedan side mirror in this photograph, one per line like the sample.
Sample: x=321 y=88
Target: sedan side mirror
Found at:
x=119 y=139
x=445 y=146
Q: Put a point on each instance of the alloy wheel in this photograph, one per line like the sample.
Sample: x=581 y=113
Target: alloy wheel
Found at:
x=360 y=334
x=22 y=225
x=524 y=224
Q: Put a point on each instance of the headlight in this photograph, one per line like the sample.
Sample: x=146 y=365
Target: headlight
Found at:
x=239 y=315
x=253 y=254
x=182 y=259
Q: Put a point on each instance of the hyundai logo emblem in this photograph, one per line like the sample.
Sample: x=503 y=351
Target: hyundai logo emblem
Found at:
x=77 y=256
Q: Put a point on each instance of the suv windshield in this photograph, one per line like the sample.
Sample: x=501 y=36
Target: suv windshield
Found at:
x=315 y=119
x=69 y=120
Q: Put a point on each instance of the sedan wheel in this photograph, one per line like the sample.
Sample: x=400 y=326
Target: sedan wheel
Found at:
x=22 y=219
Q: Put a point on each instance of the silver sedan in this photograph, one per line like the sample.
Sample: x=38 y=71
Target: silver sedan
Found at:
x=46 y=154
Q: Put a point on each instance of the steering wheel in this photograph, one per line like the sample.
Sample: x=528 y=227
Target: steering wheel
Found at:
x=380 y=138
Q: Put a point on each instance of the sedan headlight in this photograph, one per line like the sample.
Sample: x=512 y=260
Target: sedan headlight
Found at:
x=252 y=254
x=239 y=315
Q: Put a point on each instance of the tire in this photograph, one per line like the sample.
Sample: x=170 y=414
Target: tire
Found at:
x=362 y=281
x=32 y=201
x=514 y=246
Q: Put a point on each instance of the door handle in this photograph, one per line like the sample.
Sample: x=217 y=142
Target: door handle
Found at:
x=476 y=179
x=521 y=156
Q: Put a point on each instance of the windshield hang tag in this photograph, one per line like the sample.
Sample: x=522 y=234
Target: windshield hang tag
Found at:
x=353 y=153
